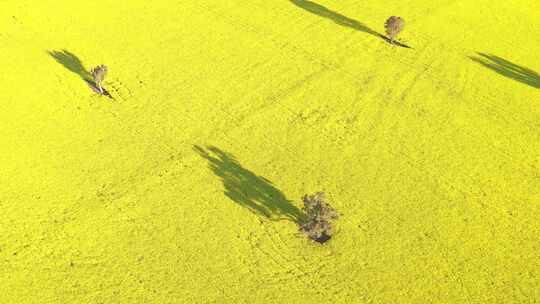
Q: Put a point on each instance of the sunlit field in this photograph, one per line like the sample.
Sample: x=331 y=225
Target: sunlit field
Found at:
x=184 y=182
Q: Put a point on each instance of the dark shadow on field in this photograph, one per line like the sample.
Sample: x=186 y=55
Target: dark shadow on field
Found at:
x=340 y=19
x=94 y=88
x=508 y=69
x=395 y=42
x=71 y=62
x=247 y=189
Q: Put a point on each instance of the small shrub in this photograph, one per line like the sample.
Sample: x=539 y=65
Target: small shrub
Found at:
x=99 y=73
x=394 y=25
x=319 y=214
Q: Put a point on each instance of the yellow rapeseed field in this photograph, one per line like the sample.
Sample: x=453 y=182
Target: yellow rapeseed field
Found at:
x=185 y=185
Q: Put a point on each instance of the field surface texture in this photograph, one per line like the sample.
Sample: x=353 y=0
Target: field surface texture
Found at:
x=184 y=185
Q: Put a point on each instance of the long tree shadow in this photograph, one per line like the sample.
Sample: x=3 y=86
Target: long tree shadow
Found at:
x=248 y=189
x=508 y=69
x=340 y=19
x=71 y=62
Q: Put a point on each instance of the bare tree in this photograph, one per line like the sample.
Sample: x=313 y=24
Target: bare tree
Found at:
x=99 y=73
x=394 y=25
x=319 y=214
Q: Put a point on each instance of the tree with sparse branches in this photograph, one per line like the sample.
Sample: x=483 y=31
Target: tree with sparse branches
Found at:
x=99 y=73
x=394 y=25
x=319 y=214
